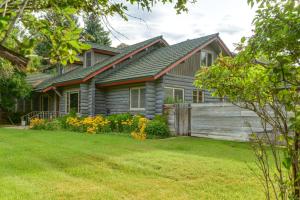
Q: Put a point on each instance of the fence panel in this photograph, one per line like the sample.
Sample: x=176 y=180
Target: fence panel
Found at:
x=213 y=120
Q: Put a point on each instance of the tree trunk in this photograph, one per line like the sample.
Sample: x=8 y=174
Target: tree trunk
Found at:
x=15 y=58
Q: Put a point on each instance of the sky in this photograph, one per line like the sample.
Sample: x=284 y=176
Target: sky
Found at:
x=231 y=18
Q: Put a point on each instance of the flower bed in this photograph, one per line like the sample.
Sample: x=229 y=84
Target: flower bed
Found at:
x=139 y=126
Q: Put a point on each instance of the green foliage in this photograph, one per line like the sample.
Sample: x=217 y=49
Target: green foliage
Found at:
x=157 y=128
x=265 y=75
x=94 y=32
x=117 y=122
x=30 y=17
x=12 y=86
x=161 y=118
x=52 y=125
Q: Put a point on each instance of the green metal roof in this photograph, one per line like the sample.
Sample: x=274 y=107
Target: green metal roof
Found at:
x=153 y=63
x=36 y=78
x=80 y=73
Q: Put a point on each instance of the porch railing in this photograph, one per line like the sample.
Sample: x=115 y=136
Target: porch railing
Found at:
x=49 y=115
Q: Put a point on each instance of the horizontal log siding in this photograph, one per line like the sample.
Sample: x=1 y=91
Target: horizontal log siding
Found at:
x=84 y=99
x=150 y=99
x=117 y=99
x=160 y=95
x=100 y=103
x=91 y=97
x=186 y=82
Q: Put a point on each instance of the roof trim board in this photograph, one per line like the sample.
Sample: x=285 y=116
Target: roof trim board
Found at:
x=127 y=82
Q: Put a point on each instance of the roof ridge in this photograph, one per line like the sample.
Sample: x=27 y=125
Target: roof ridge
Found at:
x=205 y=36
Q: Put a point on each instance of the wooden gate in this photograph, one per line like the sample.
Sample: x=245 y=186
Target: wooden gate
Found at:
x=179 y=117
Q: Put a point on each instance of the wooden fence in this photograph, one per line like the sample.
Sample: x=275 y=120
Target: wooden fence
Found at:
x=212 y=120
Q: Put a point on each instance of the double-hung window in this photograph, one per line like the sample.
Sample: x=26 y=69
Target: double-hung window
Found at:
x=206 y=59
x=198 y=96
x=72 y=101
x=175 y=95
x=137 y=98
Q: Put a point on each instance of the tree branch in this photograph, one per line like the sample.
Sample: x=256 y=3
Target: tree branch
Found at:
x=12 y=24
x=13 y=57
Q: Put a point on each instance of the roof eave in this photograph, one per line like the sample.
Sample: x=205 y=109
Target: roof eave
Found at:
x=125 y=82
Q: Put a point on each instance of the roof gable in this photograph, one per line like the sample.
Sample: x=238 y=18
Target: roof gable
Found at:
x=159 y=62
x=79 y=75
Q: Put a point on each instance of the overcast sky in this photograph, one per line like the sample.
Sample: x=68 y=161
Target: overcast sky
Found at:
x=231 y=18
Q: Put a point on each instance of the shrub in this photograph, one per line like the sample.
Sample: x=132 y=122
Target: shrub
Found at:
x=37 y=124
x=52 y=125
x=161 y=118
x=157 y=128
x=121 y=122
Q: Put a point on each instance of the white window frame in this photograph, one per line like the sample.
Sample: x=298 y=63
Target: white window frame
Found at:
x=139 y=99
x=203 y=95
x=206 y=57
x=176 y=88
x=67 y=95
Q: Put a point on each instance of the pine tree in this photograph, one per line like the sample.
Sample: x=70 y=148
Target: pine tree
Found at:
x=94 y=31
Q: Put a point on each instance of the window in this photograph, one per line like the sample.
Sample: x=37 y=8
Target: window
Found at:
x=137 y=98
x=88 y=59
x=174 y=95
x=206 y=59
x=72 y=101
x=44 y=103
x=198 y=96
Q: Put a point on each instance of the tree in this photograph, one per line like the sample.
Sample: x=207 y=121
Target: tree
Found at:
x=29 y=15
x=265 y=77
x=94 y=32
x=122 y=45
x=12 y=86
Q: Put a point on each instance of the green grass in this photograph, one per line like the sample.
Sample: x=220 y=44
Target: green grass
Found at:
x=65 y=165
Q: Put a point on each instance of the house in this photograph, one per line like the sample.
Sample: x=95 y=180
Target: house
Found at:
x=138 y=79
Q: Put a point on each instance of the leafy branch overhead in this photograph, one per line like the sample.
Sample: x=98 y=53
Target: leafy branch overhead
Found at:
x=29 y=18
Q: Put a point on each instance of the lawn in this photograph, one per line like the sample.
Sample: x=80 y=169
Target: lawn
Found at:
x=66 y=165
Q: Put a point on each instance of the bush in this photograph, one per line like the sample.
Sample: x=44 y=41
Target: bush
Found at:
x=121 y=122
x=161 y=118
x=37 y=124
x=157 y=128
x=52 y=125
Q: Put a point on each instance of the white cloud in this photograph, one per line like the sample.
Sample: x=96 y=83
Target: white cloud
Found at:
x=232 y=18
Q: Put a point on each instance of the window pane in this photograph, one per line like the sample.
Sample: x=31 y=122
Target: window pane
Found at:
x=203 y=59
x=142 y=98
x=88 y=57
x=178 y=95
x=195 y=96
x=209 y=59
x=74 y=102
x=168 y=93
x=200 y=96
x=134 y=98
